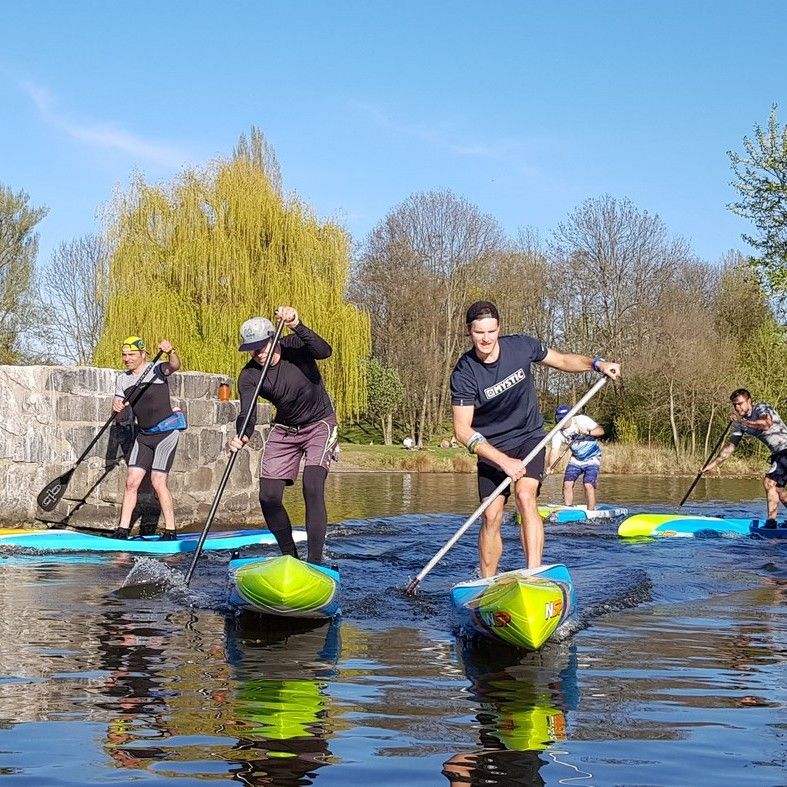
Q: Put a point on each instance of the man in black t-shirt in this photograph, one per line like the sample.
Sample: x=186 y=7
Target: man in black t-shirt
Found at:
x=304 y=427
x=496 y=415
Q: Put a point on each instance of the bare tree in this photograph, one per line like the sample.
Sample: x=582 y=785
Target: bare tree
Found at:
x=417 y=271
x=76 y=286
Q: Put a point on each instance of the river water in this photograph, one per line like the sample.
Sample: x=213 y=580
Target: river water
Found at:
x=672 y=672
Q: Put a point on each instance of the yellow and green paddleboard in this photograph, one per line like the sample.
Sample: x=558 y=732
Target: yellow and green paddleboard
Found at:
x=521 y=608
x=283 y=586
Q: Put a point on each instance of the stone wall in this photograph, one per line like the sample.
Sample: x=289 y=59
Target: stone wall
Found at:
x=49 y=415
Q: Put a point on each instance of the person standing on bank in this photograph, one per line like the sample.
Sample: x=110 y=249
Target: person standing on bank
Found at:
x=157 y=429
x=763 y=422
x=579 y=434
x=304 y=426
x=496 y=415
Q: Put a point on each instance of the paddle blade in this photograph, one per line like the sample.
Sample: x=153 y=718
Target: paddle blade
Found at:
x=53 y=492
x=412 y=586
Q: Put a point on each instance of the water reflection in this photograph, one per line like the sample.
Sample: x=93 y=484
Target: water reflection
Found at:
x=520 y=702
x=132 y=653
x=280 y=699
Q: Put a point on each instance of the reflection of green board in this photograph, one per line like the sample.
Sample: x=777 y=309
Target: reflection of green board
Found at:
x=72 y=541
x=281 y=709
x=687 y=525
x=530 y=728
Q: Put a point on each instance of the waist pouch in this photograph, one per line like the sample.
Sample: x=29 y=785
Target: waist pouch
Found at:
x=169 y=424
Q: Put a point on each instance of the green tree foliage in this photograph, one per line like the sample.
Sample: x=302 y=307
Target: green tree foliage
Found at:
x=20 y=310
x=741 y=305
x=761 y=182
x=386 y=393
x=763 y=363
x=194 y=259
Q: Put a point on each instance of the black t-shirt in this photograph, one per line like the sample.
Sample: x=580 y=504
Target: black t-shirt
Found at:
x=294 y=385
x=503 y=392
x=153 y=405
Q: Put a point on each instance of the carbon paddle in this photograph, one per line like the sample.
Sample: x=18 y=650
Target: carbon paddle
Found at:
x=147 y=589
x=413 y=584
x=53 y=492
x=707 y=462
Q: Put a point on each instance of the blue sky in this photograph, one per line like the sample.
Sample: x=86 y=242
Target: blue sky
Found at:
x=524 y=109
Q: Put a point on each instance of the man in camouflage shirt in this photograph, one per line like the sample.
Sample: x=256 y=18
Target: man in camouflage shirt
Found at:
x=760 y=420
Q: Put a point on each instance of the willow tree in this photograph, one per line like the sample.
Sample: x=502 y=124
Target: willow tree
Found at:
x=196 y=258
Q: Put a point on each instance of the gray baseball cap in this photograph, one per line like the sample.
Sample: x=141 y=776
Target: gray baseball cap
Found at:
x=256 y=333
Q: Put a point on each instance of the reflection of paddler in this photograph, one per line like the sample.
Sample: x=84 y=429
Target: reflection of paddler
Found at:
x=521 y=706
x=283 y=648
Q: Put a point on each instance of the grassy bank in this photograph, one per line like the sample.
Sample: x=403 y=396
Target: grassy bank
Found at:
x=618 y=459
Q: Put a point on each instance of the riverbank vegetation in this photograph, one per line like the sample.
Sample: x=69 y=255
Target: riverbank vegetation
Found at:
x=618 y=459
x=190 y=260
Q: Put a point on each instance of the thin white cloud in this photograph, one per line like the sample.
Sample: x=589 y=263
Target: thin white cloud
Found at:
x=107 y=136
x=512 y=152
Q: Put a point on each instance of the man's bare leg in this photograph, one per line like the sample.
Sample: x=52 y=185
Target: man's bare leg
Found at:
x=490 y=542
x=531 y=530
x=772 y=497
x=590 y=496
x=134 y=478
x=158 y=481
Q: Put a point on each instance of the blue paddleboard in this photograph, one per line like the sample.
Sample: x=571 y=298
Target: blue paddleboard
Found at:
x=72 y=541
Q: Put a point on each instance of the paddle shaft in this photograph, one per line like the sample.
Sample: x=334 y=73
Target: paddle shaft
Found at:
x=503 y=485
x=560 y=458
x=707 y=462
x=233 y=456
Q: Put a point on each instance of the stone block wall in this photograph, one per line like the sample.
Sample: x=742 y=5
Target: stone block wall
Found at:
x=49 y=415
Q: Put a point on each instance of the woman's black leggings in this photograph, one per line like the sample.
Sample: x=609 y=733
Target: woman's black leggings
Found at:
x=278 y=521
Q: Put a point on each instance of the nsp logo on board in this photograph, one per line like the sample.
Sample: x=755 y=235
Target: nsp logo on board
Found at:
x=552 y=609
x=498 y=388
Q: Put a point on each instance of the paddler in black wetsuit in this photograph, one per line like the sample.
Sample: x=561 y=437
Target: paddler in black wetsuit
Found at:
x=304 y=426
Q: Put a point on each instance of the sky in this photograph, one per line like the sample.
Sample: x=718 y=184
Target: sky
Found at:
x=524 y=109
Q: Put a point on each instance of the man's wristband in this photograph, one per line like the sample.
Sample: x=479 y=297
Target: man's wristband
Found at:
x=474 y=441
x=596 y=363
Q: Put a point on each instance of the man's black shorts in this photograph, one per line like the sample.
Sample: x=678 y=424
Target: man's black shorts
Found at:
x=491 y=476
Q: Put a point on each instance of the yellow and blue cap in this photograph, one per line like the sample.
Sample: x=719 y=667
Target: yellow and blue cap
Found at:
x=133 y=344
